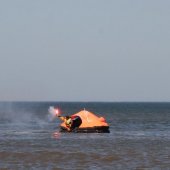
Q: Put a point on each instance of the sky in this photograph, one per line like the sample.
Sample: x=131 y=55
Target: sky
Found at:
x=92 y=50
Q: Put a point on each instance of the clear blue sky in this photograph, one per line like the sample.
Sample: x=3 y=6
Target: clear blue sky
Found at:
x=85 y=50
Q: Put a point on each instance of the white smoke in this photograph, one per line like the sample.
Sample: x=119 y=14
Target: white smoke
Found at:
x=15 y=115
x=51 y=113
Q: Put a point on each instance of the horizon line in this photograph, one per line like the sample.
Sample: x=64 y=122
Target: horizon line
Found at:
x=62 y=101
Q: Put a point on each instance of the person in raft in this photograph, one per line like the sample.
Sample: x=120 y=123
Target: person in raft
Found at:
x=72 y=122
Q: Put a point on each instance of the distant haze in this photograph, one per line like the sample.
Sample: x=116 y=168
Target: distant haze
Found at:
x=92 y=50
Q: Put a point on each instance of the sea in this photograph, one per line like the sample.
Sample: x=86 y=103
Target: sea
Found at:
x=139 y=137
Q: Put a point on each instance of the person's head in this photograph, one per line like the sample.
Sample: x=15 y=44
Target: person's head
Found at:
x=67 y=117
x=68 y=121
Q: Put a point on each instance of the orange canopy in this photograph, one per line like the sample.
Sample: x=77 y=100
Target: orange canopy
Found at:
x=89 y=119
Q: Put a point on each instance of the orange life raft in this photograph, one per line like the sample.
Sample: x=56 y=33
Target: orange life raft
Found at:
x=90 y=123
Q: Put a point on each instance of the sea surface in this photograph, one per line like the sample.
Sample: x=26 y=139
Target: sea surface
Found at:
x=139 y=137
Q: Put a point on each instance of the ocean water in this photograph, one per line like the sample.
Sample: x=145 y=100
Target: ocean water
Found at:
x=139 y=137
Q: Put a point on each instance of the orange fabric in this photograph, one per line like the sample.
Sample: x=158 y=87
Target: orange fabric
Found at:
x=89 y=119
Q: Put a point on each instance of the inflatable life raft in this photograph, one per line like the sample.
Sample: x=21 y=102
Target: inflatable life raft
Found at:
x=90 y=123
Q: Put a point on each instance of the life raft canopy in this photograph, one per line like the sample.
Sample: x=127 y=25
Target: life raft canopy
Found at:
x=90 y=123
